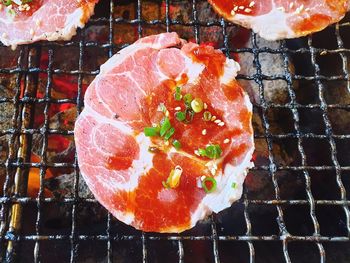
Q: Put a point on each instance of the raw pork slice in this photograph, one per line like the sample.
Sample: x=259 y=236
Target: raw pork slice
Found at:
x=37 y=20
x=152 y=183
x=279 y=19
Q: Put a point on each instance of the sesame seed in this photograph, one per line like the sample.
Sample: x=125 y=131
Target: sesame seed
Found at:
x=221 y=124
x=247 y=10
x=217 y=121
x=235 y=8
x=226 y=141
x=241 y=7
x=213 y=118
x=233 y=13
x=204 y=132
x=205 y=106
x=167 y=113
x=299 y=9
x=31 y=31
x=38 y=22
x=251 y=4
x=291 y=5
x=178 y=108
x=196 y=152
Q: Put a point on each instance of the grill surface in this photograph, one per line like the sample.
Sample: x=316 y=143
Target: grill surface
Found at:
x=309 y=226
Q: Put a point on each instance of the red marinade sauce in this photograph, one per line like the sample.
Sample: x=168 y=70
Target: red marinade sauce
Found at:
x=214 y=61
x=34 y=6
x=119 y=162
x=313 y=23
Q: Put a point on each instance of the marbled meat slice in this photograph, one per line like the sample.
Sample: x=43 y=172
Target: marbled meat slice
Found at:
x=23 y=22
x=280 y=19
x=129 y=172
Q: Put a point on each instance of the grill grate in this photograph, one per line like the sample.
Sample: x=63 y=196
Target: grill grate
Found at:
x=21 y=132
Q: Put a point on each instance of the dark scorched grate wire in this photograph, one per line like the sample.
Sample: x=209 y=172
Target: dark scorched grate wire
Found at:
x=20 y=135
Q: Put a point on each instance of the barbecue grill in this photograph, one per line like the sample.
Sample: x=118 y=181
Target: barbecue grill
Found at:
x=303 y=214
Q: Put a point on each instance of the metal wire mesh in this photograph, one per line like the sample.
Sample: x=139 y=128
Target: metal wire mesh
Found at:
x=20 y=134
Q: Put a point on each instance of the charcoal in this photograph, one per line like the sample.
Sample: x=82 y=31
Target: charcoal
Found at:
x=271 y=65
x=63 y=186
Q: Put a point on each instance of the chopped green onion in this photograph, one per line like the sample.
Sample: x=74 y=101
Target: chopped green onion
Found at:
x=212 y=188
x=234 y=185
x=211 y=151
x=188 y=99
x=177 y=94
x=165 y=184
x=170 y=133
x=207 y=116
x=165 y=126
x=202 y=152
x=189 y=115
x=176 y=144
x=151 y=131
x=197 y=105
x=161 y=108
x=180 y=116
x=153 y=149
x=11 y=12
x=7 y=2
x=173 y=180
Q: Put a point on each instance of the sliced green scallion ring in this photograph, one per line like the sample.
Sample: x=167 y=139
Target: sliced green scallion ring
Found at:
x=212 y=183
x=189 y=115
x=188 y=99
x=197 y=105
x=173 y=179
x=211 y=151
x=207 y=116
x=7 y=2
x=180 y=115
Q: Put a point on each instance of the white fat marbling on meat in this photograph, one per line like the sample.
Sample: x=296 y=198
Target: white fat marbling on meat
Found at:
x=231 y=68
x=142 y=165
x=73 y=21
x=139 y=166
x=270 y=26
x=122 y=126
x=192 y=69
